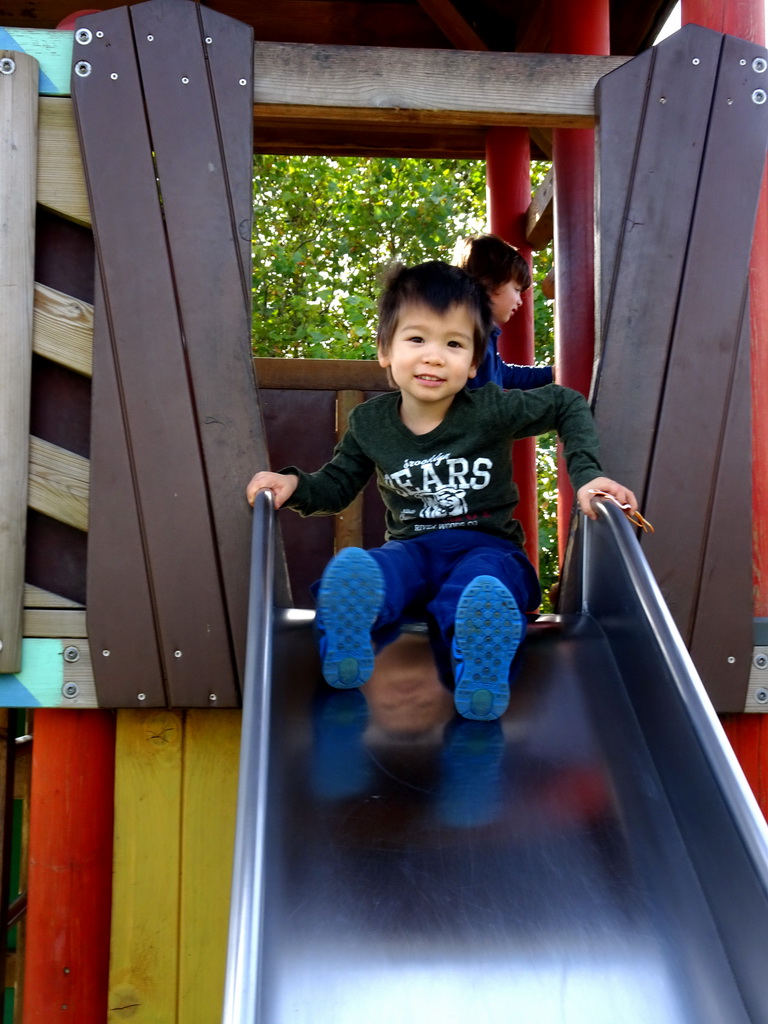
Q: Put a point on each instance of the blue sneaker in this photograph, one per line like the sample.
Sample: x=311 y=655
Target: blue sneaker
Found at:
x=470 y=792
x=341 y=766
x=348 y=603
x=489 y=628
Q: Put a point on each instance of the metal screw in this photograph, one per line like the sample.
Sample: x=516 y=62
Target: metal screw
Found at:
x=82 y=69
x=695 y=61
x=759 y=65
x=99 y=35
x=70 y=689
x=177 y=654
x=141 y=696
x=730 y=102
x=742 y=62
x=208 y=40
x=106 y=653
x=663 y=99
x=83 y=36
x=185 y=81
x=760 y=661
x=212 y=696
x=7 y=66
x=71 y=654
x=150 y=39
x=113 y=76
x=66 y=970
x=759 y=96
x=243 y=82
x=731 y=660
x=1 y=645
x=761 y=696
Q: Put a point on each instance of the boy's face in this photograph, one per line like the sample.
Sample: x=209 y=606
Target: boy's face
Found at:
x=506 y=299
x=431 y=355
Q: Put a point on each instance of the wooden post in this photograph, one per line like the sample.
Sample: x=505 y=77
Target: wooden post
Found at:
x=582 y=28
x=18 y=173
x=348 y=525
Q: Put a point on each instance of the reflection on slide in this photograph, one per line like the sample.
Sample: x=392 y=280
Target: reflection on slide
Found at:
x=593 y=857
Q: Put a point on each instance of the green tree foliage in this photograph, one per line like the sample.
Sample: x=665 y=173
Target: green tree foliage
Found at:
x=325 y=229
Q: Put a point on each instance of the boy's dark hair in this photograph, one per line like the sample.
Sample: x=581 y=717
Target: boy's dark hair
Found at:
x=493 y=261
x=439 y=286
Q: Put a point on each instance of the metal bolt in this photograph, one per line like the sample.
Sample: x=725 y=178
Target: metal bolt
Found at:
x=99 y=35
x=759 y=65
x=150 y=39
x=695 y=61
x=141 y=696
x=177 y=654
x=730 y=102
x=760 y=661
x=185 y=81
x=243 y=82
x=113 y=76
x=71 y=654
x=663 y=99
x=83 y=36
x=212 y=696
x=1 y=645
x=66 y=970
x=70 y=689
x=208 y=40
x=7 y=66
x=731 y=660
x=759 y=96
x=106 y=653
x=82 y=69
x=742 y=62
x=761 y=696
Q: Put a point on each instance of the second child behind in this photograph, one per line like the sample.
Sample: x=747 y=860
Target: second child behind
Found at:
x=442 y=458
x=505 y=275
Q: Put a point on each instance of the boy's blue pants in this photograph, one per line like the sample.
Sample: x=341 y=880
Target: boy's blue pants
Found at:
x=427 y=574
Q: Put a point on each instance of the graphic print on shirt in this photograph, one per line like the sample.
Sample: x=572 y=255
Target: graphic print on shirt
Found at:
x=440 y=483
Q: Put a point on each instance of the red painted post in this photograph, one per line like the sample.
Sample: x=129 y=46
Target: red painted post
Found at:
x=508 y=169
x=576 y=28
x=66 y=972
x=749 y=733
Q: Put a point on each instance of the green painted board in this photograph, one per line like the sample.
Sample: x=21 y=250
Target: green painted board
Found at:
x=45 y=673
x=51 y=48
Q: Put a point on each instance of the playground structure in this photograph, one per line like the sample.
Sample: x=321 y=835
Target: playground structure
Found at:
x=159 y=779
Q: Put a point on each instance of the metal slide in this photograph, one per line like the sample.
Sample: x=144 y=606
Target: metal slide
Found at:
x=593 y=858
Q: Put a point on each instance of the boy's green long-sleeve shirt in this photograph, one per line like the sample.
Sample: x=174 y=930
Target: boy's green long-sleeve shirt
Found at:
x=457 y=475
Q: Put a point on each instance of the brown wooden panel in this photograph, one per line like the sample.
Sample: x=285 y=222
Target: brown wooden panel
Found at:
x=722 y=638
x=300 y=429
x=321 y=374
x=120 y=622
x=708 y=325
x=654 y=212
x=204 y=212
x=147 y=341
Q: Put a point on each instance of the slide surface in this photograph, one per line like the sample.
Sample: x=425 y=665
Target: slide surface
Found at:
x=582 y=860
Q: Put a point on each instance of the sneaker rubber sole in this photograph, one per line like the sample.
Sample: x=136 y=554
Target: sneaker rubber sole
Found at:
x=348 y=603
x=489 y=629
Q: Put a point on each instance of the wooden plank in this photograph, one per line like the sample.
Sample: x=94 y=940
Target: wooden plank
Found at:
x=51 y=49
x=54 y=622
x=205 y=213
x=539 y=220
x=648 y=215
x=722 y=638
x=144 y=947
x=209 y=794
x=60 y=179
x=68 y=923
x=689 y=440
x=147 y=341
x=58 y=483
x=321 y=374
x=125 y=646
x=63 y=329
x=18 y=149
x=37 y=597
x=399 y=86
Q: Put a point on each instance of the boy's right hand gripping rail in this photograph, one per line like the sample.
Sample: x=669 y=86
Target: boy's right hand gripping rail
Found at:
x=242 y=983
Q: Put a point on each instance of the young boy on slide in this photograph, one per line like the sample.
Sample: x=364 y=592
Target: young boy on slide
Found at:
x=441 y=455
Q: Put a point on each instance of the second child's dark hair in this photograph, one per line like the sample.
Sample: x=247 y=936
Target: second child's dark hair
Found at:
x=439 y=286
x=493 y=261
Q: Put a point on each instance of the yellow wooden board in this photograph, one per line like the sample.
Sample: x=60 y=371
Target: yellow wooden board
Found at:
x=211 y=755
